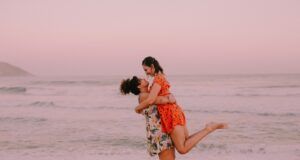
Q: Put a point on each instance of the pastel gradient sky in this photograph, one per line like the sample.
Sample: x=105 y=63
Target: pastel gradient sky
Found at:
x=109 y=37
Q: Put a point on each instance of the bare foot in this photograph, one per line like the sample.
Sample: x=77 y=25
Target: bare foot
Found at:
x=213 y=126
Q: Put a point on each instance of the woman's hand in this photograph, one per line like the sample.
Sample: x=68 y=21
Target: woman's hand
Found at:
x=138 y=110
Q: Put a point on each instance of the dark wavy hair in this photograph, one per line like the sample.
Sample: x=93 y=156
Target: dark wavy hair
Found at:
x=130 y=85
x=148 y=61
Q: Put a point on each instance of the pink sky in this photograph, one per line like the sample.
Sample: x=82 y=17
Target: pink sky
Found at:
x=109 y=37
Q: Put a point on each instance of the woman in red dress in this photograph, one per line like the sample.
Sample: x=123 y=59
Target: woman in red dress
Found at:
x=172 y=117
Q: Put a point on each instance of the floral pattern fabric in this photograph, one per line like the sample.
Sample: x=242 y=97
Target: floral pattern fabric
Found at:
x=157 y=140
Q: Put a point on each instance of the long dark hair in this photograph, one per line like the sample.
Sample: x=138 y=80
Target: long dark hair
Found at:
x=148 y=61
x=130 y=85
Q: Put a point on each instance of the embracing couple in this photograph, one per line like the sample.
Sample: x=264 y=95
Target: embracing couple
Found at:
x=165 y=120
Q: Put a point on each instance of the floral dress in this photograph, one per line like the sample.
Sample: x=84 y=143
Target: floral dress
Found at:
x=157 y=140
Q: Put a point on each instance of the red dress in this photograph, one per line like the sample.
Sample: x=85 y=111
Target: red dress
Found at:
x=170 y=114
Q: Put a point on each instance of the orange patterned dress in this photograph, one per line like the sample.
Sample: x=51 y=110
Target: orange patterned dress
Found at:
x=171 y=114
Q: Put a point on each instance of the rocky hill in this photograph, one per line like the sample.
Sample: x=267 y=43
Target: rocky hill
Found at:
x=8 y=70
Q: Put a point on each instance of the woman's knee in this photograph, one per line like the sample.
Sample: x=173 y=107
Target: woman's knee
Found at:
x=178 y=136
x=181 y=149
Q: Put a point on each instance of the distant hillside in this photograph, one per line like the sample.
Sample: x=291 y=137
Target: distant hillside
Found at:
x=7 y=70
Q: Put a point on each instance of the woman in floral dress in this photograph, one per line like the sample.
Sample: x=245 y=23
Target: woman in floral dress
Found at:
x=158 y=142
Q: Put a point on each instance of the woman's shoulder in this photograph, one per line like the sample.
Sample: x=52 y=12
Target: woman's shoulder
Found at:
x=159 y=77
x=161 y=80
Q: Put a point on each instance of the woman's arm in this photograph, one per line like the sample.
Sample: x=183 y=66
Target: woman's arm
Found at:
x=159 y=100
x=150 y=99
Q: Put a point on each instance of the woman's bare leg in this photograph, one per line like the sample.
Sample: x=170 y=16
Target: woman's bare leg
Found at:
x=183 y=144
x=168 y=154
x=186 y=132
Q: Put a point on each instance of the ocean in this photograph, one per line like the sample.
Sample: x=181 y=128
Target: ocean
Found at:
x=86 y=118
